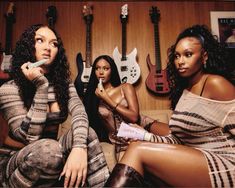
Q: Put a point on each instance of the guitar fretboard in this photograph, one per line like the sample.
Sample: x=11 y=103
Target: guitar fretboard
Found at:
x=124 y=41
x=88 y=45
x=157 y=48
x=9 y=29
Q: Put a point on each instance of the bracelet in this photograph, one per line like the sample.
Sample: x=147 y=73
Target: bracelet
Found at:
x=114 y=108
x=147 y=136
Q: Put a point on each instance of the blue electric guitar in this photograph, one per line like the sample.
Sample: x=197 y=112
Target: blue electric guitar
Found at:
x=128 y=68
x=85 y=66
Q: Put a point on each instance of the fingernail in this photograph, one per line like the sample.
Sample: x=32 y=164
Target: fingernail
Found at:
x=59 y=178
x=83 y=184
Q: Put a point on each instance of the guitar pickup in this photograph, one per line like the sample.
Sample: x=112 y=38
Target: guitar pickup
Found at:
x=124 y=68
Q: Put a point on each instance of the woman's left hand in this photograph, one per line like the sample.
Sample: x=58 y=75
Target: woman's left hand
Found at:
x=75 y=168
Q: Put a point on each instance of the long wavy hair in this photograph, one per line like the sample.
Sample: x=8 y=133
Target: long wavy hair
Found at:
x=217 y=62
x=91 y=101
x=58 y=76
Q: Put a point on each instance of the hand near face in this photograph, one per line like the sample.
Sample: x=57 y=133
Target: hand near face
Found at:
x=32 y=73
x=101 y=93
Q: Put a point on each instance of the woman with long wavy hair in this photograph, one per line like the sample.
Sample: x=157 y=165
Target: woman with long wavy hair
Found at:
x=34 y=103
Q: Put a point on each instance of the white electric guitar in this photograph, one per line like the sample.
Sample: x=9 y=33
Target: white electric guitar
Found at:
x=128 y=68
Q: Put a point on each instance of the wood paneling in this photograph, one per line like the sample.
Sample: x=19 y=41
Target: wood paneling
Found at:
x=106 y=30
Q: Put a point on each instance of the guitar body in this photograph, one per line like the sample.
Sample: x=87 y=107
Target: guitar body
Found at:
x=6 y=62
x=128 y=69
x=3 y=76
x=83 y=76
x=156 y=81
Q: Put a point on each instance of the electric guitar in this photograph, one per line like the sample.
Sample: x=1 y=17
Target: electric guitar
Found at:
x=156 y=81
x=51 y=15
x=7 y=57
x=84 y=67
x=128 y=68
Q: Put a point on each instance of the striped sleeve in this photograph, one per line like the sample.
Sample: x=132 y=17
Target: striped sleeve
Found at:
x=25 y=125
x=229 y=122
x=79 y=119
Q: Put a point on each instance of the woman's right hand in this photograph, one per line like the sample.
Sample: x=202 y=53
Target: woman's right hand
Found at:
x=31 y=73
x=101 y=93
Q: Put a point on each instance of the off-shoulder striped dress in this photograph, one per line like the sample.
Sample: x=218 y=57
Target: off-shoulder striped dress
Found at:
x=209 y=126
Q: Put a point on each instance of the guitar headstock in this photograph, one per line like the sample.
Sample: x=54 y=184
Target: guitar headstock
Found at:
x=51 y=15
x=124 y=13
x=88 y=13
x=154 y=14
x=10 y=14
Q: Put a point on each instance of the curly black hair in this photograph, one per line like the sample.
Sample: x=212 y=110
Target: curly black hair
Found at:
x=91 y=101
x=58 y=76
x=217 y=62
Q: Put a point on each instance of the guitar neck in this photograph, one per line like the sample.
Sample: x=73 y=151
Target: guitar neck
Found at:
x=157 y=48
x=88 y=46
x=124 y=41
x=51 y=23
x=9 y=29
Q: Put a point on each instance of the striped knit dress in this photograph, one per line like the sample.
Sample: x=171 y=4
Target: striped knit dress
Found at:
x=27 y=126
x=209 y=126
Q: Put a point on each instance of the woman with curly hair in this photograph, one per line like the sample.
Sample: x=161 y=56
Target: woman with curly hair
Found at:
x=34 y=103
x=200 y=150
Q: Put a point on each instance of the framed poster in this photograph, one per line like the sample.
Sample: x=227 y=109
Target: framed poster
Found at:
x=223 y=26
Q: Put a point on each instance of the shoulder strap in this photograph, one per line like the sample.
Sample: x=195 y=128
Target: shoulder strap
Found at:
x=203 y=86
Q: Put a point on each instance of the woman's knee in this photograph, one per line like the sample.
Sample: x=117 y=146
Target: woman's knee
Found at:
x=134 y=149
x=47 y=155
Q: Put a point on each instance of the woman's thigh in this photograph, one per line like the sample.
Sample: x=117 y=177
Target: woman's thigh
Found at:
x=175 y=164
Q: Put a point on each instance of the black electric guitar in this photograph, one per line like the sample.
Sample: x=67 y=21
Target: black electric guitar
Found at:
x=7 y=57
x=128 y=68
x=156 y=81
x=85 y=66
x=51 y=15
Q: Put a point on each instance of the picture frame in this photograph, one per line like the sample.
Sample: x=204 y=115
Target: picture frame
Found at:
x=223 y=26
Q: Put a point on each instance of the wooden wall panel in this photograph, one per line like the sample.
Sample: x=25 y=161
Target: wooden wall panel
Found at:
x=106 y=30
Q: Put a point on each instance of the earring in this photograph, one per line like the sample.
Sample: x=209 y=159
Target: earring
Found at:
x=204 y=65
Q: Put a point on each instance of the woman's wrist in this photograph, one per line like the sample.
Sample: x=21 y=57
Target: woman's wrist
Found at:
x=148 y=126
x=115 y=107
x=147 y=136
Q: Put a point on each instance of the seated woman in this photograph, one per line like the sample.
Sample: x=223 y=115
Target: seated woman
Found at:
x=34 y=103
x=200 y=151
x=112 y=104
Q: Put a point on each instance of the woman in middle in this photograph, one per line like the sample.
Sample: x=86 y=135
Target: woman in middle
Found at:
x=112 y=103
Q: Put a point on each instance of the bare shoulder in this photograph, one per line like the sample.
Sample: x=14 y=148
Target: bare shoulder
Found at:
x=220 y=88
x=127 y=87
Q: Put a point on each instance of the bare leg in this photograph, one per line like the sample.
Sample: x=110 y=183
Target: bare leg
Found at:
x=177 y=165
